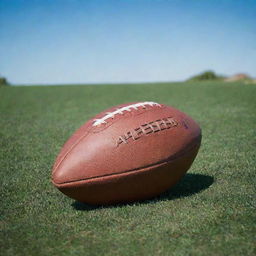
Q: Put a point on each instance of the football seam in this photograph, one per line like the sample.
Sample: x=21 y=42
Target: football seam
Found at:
x=162 y=162
x=70 y=149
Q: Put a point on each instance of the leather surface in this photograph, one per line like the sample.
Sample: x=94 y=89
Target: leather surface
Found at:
x=139 y=139
x=130 y=186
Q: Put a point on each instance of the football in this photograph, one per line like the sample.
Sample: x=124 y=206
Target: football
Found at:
x=130 y=152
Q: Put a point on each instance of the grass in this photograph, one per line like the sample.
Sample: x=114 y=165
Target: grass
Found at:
x=210 y=212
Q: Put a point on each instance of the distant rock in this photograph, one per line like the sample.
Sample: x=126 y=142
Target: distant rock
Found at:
x=238 y=77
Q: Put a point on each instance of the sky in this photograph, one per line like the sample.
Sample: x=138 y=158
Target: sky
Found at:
x=124 y=41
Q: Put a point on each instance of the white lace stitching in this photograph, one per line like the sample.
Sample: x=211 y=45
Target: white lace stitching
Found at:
x=121 y=111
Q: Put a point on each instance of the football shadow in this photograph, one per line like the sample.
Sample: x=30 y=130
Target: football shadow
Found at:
x=189 y=185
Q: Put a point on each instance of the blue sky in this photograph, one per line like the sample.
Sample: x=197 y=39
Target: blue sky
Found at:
x=75 y=41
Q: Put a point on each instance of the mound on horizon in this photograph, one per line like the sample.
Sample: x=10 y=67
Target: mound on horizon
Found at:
x=207 y=76
x=3 y=81
x=212 y=76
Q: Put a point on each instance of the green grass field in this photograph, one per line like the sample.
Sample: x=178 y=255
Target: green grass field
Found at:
x=210 y=212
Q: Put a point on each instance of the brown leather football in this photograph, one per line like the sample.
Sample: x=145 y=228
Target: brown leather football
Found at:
x=130 y=152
